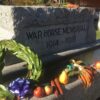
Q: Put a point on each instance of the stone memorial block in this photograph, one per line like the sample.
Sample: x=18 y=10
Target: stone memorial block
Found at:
x=48 y=30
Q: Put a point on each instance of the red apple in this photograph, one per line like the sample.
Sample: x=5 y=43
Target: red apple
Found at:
x=39 y=92
x=48 y=89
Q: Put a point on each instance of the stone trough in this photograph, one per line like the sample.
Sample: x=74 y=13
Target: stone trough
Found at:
x=75 y=91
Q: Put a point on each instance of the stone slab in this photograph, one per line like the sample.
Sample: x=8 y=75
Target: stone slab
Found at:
x=48 y=30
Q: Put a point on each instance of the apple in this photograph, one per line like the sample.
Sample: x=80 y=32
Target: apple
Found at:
x=48 y=89
x=39 y=92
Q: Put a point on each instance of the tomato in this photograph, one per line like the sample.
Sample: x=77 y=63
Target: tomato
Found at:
x=48 y=89
x=63 y=78
x=39 y=92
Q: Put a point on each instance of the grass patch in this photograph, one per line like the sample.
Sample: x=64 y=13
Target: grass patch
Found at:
x=97 y=34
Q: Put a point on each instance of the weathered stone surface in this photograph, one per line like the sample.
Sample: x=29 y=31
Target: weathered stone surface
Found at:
x=48 y=30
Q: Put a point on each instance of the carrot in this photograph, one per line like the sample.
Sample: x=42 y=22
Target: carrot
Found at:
x=55 y=91
x=58 y=85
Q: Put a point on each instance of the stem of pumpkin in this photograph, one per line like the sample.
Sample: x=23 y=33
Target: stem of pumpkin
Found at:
x=76 y=65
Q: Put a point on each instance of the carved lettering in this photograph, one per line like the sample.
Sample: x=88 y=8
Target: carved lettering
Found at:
x=52 y=43
x=51 y=36
x=53 y=32
x=31 y=35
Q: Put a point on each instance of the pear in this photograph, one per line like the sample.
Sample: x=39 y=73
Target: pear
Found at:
x=63 y=78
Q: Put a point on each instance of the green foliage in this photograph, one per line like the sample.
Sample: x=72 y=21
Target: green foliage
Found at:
x=4 y=93
x=97 y=34
x=23 y=2
x=34 y=63
x=39 y=1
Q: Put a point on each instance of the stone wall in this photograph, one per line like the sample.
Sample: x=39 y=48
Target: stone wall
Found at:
x=48 y=30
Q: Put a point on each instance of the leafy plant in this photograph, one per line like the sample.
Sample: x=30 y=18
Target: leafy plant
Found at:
x=4 y=93
x=24 y=53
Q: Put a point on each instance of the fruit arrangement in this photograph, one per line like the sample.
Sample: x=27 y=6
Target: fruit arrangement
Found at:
x=28 y=86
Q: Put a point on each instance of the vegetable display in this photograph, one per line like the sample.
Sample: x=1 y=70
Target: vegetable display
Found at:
x=26 y=87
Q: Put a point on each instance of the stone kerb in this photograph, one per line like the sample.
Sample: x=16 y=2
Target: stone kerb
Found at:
x=76 y=91
x=48 y=30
